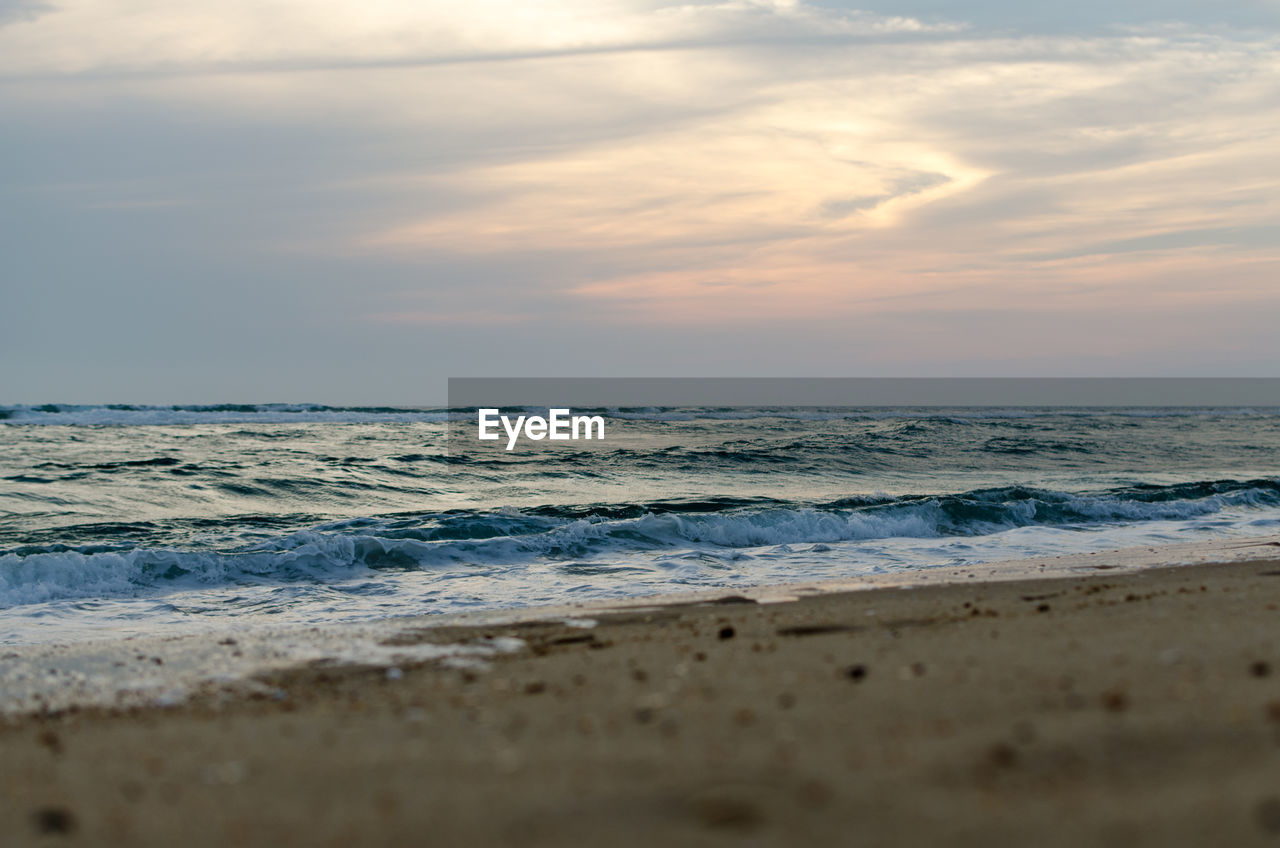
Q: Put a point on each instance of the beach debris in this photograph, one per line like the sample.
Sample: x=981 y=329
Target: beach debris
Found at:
x=816 y=629
x=726 y=810
x=1115 y=700
x=54 y=820
x=1002 y=756
x=1267 y=814
x=733 y=599
x=50 y=740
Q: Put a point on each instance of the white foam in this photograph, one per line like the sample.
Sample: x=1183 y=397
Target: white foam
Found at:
x=166 y=671
x=313 y=556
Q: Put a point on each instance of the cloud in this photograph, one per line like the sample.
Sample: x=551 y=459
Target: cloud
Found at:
x=1235 y=238
x=19 y=11
x=762 y=175
x=902 y=186
x=973 y=165
x=403 y=175
x=153 y=38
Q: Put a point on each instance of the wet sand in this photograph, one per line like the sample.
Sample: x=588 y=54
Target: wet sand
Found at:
x=1110 y=709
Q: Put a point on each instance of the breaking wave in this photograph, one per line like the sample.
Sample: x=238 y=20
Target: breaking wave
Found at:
x=492 y=542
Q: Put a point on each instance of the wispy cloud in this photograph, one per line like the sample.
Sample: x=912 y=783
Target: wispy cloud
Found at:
x=148 y=38
x=903 y=168
x=413 y=170
x=16 y=11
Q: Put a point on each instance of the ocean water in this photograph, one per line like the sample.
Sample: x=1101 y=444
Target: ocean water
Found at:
x=160 y=520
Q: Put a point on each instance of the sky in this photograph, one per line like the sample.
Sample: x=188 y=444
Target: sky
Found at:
x=340 y=202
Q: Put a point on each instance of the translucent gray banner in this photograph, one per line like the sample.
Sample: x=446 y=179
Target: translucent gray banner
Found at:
x=632 y=392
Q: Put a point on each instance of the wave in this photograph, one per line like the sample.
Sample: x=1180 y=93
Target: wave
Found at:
x=476 y=542
x=119 y=415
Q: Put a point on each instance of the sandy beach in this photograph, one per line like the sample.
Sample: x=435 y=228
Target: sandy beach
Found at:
x=632 y=424
x=1110 y=709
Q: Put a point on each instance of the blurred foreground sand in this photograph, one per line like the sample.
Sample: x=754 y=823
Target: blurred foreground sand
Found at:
x=1112 y=709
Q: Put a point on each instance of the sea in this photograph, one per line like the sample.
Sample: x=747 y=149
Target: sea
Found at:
x=166 y=520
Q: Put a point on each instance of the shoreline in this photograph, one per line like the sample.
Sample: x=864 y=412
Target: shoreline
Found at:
x=140 y=671
x=1137 y=707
